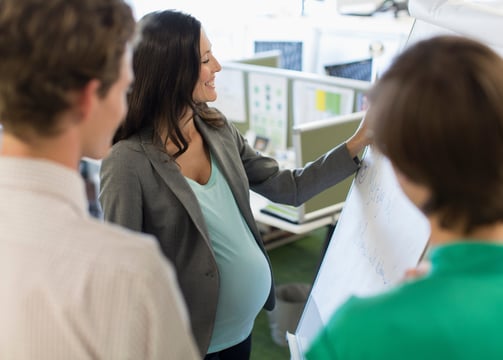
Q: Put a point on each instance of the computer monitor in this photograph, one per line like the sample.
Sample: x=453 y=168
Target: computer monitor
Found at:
x=358 y=70
x=291 y=52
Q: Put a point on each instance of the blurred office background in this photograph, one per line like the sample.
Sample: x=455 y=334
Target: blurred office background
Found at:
x=326 y=35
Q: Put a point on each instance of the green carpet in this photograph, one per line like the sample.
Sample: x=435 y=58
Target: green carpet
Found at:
x=291 y=263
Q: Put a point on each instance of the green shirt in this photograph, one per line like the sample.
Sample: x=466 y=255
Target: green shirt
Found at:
x=456 y=312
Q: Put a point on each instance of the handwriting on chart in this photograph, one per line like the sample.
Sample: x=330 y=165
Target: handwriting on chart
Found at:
x=378 y=198
x=376 y=201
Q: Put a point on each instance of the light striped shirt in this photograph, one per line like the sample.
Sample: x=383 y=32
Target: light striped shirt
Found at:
x=74 y=288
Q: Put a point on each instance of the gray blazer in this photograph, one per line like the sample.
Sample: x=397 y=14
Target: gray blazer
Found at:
x=144 y=190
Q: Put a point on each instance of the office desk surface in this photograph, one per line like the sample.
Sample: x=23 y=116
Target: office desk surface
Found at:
x=258 y=202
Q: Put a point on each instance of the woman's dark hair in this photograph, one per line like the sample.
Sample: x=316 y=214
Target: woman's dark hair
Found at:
x=437 y=114
x=166 y=63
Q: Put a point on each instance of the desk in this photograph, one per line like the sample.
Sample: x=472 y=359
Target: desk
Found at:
x=296 y=231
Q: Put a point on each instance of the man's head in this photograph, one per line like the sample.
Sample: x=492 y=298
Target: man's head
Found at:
x=51 y=51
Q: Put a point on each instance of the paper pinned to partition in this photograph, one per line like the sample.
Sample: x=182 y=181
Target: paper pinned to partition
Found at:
x=268 y=101
x=231 y=95
x=314 y=101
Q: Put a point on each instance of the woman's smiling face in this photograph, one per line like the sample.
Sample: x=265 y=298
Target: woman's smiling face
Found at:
x=204 y=90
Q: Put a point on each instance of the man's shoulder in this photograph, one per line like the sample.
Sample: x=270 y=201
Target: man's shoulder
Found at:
x=116 y=246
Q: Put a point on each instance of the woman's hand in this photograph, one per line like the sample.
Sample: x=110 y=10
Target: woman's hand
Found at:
x=361 y=138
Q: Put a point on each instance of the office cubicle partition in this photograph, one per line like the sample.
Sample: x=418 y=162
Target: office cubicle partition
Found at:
x=310 y=141
x=270 y=58
x=271 y=101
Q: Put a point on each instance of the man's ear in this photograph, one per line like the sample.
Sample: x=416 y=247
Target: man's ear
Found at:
x=88 y=98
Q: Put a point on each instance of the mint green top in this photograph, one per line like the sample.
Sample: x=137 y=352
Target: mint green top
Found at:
x=456 y=312
x=245 y=278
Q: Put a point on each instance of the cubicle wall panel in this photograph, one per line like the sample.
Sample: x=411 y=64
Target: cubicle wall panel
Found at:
x=316 y=142
x=268 y=96
x=232 y=100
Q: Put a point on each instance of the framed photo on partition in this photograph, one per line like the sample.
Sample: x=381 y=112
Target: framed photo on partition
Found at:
x=260 y=143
